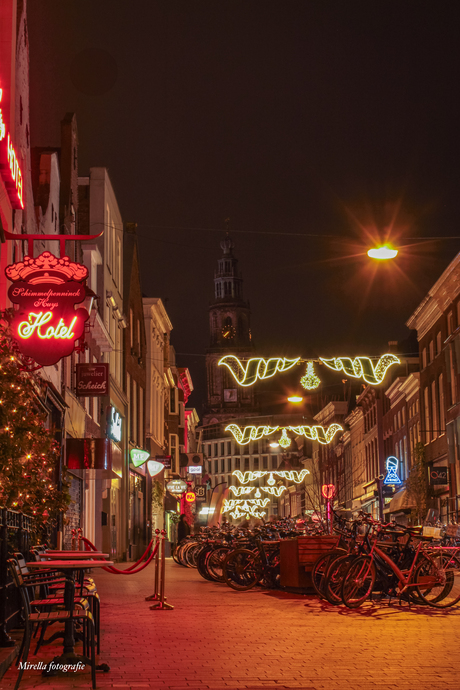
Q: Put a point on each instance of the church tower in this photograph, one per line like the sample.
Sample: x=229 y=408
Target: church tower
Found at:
x=230 y=330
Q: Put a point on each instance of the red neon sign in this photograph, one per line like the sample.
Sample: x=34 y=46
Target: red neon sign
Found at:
x=328 y=491
x=46 y=290
x=190 y=496
x=9 y=165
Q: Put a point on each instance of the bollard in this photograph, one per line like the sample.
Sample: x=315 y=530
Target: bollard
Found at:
x=72 y=546
x=162 y=604
x=80 y=540
x=156 y=594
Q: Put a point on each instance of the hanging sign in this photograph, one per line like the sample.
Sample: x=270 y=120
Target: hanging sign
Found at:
x=391 y=476
x=194 y=469
x=176 y=486
x=139 y=456
x=165 y=461
x=190 y=496
x=46 y=324
x=92 y=380
x=10 y=170
x=328 y=491
x=439 y=475
x=114 y=425
x=154 y=467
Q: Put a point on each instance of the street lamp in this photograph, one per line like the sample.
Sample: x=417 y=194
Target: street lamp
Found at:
x=295 y=399
x=382 y=253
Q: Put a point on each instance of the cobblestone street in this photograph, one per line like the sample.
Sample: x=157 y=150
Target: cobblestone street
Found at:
x=218 y=638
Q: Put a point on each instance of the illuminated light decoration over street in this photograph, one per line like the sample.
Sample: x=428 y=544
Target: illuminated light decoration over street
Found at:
x=247 y=373
x=382 y=253
x=295 y=399
x=363 y=367
x=253 y=507
x=313 y=433
x=310 y=381
x=291 y=475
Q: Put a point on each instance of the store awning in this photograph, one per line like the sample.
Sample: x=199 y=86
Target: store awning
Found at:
x=400 y=501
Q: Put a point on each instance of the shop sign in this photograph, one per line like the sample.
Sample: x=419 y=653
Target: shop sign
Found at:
x=392 y=476
x=139 y=456
x=154 y=467
x=46 y=325
x=328 y=491
x=10 y=170
x=190 y=496
x=200 y=494
x=176 y=486
x=439 y=475
x=165 y=460
x=114 y=425
x=194 y=469
x=92 y=380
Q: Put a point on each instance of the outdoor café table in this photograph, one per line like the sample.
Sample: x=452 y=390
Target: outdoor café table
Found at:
x=74 y=555
x=68 y=569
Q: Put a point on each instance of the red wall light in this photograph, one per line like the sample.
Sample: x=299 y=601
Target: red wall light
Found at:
x=328 y=491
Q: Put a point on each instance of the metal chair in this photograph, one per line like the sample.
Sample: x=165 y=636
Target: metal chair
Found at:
x=46 y=618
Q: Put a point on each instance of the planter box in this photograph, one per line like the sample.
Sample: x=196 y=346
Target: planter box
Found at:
x=292 y=574
x=311 y=548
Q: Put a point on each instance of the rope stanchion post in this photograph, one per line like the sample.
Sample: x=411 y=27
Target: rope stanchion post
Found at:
x=72 y=546
x=156 y=593
x=162 y=605
x=80 y=542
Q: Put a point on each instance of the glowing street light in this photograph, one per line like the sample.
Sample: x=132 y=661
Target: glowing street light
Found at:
x=274 y=444
x=384 y=252
x=295 y=399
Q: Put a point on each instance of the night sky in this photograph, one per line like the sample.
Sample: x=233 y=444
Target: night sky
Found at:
x=315 y=126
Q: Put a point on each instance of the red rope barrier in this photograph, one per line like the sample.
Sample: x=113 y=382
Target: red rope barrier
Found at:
x=133 y=569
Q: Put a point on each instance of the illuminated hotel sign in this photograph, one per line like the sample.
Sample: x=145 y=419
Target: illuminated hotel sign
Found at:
x=46 y=324
x=10 y=169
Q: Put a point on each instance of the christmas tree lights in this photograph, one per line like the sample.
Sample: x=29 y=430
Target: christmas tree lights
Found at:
x=363 y=367
x=310 y=380
x=247 y=373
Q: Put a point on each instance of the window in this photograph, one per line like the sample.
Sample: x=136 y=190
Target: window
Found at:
x=173 y=406
x=450 y=323
x=141 y=417
x=439 y=342
x=229 y=447
x=256 y=464
x=246 y=463
x=216 y=466
x=216 y=449
x=229 y=464
x=434 y=411
x=452 y=377
x=210 y=467
x=427 y=414
x=222 y=448
x=229 y=480
x=274 y=462
x=396 y=422
x=174 y=450
x=431 y=351
x=209 y=450
x=424 y=358
x=403 y=416
x=265 y=462
x=255 y=447
x=134 y=414
x=237 y=463
x=442 y=414
x=131 y=328
x=222 y=465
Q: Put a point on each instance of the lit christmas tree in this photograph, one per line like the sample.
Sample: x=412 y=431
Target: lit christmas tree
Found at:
x=29 y=454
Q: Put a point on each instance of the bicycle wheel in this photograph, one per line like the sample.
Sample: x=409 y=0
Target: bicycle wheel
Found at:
x=320 y=568
x=438 y=581
x=242 y=569
x=358 y=582
x=334 y=577
x=214 y=563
